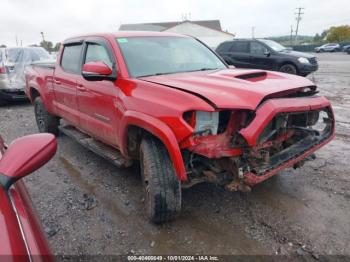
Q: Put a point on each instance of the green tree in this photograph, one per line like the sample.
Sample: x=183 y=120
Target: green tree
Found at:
x=47 y=45
x=339 y=33
x=317 y=38
x=57 y=47
x=324 y=34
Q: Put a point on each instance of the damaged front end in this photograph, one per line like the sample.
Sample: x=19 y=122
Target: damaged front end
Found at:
x=250 y=147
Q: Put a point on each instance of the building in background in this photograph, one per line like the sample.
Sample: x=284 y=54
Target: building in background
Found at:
x=208 y=31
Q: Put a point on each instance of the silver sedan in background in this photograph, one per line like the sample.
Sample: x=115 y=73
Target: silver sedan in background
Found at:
x=13 y=61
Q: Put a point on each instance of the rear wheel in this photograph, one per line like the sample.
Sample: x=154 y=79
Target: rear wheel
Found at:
x=46 y=122
x=289 y=69
x=162 y=187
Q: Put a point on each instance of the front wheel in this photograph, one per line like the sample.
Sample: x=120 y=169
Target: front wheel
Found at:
x=162 y=187
x=289 y=69
x=46 y=122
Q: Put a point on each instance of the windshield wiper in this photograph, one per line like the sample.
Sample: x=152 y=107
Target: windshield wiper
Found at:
x=207 y=69
x=168 y=73
x=158 y=74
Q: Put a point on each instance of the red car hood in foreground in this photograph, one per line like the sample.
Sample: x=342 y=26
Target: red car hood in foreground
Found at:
x=233 y=88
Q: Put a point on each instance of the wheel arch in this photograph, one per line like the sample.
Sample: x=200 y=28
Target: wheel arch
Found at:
x=288 y=62
x=33 y=93
x=134 y=125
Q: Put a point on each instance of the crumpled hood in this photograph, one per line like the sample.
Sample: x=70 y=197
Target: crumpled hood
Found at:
x=233 y=88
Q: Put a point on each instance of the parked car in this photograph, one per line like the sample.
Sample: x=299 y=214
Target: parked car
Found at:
x=12 y=63
x=346 y=49
x=330 y=47
x=21 y=237
x=169 y=102
x=268 y=55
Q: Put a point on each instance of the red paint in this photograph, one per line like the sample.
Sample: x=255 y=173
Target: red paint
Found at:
x=252 y=179
x=106 y=109
x=26 y=154
x=34 y=234
x=11 y=240
x=21 y=236
x=98 y=68
x=271 y=107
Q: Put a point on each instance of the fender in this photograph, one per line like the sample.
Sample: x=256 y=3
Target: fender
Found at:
x=46 y=95
x=158 y=129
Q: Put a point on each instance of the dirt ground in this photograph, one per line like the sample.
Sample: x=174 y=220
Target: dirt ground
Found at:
x=88 y=206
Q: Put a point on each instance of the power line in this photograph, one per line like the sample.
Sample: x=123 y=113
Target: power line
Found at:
x=298 y=18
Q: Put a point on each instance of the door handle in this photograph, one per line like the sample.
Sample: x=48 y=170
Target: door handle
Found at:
x=81 y=88
x=56 y=82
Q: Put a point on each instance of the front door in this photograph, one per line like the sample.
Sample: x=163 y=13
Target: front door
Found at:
x=97 y=99
x=260 y=57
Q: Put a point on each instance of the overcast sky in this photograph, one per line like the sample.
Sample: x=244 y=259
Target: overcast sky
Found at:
x=63 y=18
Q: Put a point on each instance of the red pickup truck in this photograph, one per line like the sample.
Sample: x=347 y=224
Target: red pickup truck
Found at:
x=171 y=103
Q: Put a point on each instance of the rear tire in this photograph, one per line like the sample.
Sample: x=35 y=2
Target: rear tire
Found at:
x=289 y=69
x=46 y=122
x=162 y=187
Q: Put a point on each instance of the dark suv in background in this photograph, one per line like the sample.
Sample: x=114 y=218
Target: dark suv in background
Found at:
x=268 y=55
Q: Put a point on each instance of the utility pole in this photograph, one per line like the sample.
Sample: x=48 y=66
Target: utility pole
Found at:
x=298 y=18
x=16 y=40
x=42 y=35
x=253 y=32
x=291 y=34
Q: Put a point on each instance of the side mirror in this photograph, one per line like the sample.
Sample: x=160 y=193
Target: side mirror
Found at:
x=25 y=155
x=96 y=71
x=267 y=53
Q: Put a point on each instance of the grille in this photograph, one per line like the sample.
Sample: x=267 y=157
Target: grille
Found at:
x=313 y=61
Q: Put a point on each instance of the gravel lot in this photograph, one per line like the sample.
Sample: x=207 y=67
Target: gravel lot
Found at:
x=88 y=206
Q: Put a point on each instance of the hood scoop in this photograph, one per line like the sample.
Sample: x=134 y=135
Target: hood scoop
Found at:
x=253 y=76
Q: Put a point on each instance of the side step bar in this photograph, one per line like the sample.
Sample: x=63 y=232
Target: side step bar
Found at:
x=109 y=153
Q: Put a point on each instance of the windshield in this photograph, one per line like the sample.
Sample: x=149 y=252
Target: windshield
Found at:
x=145 y=56
x=274 y=45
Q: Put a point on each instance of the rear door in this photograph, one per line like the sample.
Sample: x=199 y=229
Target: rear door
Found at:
x=65 y=82
x=238 y=54
x=97 y=99
x=260 y=56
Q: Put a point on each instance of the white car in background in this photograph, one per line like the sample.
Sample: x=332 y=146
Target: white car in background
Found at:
x=13 y=61
x=330 y=47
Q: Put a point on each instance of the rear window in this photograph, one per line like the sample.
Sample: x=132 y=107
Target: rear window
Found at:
x=71 y=58
x=239 y=46
x=14 y=55
x=31 y=54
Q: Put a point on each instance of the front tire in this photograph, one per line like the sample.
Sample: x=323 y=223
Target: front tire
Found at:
x=289 y=69
x=162 y=187
x=46 y=122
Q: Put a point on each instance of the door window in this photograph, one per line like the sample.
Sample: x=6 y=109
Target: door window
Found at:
x=96 y=52
x=71 y=58
x=239 y=46
x=257 y=48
